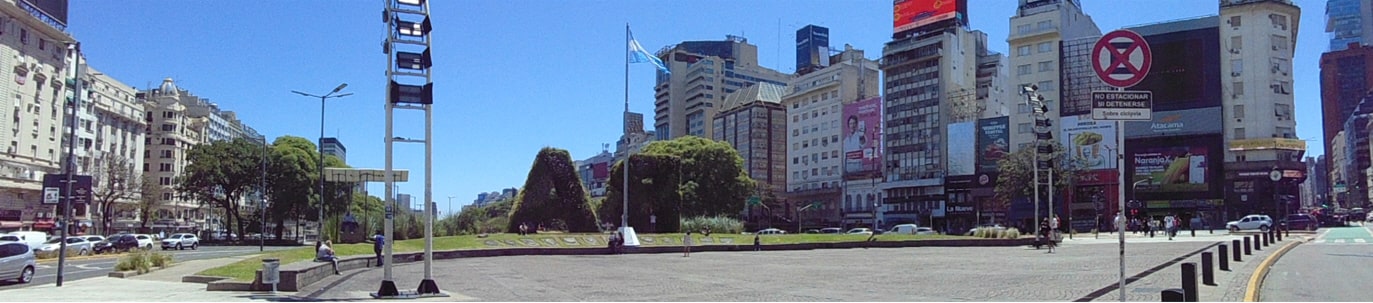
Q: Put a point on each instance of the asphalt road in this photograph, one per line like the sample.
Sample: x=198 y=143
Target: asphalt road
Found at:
x=1335 y=267
x=101 y=265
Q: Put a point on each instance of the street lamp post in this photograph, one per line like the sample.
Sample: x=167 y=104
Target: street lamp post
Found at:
x=262 y=192
x=64 y=223
x=319 y=222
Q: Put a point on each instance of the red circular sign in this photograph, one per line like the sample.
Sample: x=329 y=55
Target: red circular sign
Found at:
x=1121 y=58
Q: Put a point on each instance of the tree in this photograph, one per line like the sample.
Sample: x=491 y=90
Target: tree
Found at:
x=713 y=180
x=653 y=191
x=147 y=204
x=290 y=181
x=118 y=181
x=553 y=191
x=219 y=174
x=1016 y=172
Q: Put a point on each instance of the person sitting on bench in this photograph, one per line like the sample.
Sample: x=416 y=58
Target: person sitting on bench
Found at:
x=325 y=253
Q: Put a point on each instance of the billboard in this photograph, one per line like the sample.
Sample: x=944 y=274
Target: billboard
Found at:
x=862 y=142
x=1199 y=121
x=55 y=11
x=993 y=142
x=961 y=160
x=1185 y=73
x=1090 y=143
x=910 y=14
x=1178 y=166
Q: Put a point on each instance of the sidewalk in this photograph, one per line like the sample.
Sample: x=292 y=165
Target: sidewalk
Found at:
x=1230 y=285
x=158 y=286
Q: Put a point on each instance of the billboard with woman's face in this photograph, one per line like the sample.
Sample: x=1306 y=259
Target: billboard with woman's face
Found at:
x=862 y=138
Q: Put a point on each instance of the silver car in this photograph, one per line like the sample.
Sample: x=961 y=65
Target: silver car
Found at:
x=76 y=245
x=17 y=262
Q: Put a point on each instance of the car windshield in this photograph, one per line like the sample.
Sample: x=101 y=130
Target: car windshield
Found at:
x=174 y=237
x=9 y=238
x=54 y=241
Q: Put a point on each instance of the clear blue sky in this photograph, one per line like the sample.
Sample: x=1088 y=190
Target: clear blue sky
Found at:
x=510 y=77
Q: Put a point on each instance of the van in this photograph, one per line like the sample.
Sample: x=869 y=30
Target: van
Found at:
x=34 y=239
x=905 y=229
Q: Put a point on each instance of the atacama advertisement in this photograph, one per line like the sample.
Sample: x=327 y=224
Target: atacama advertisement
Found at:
x=862 y=144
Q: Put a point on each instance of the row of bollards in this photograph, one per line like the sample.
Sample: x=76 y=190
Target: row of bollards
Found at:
x=1189 y=292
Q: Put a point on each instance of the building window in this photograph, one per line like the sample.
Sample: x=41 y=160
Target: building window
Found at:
x=1279 y=21
x=1283 y=111
x=1237 y=89
x=1045 y=86
x=1046 y=66
x=1023 y=50
x=1023 y=128
x=166 y=196
x=1023 y=29
x=165 y=181
x=1022 y=70
x=1045 y=47
x=1046 y=24
x=1236 y=67
x=1239 y=133
x=1236 y=44
x=1239 y=111
x=1279 y=42
x=1234 y=21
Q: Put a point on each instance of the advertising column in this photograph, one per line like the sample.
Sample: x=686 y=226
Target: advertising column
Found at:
x=863 y=159
x=992 y=143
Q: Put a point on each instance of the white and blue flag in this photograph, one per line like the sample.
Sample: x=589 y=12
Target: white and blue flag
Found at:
x=637 y=54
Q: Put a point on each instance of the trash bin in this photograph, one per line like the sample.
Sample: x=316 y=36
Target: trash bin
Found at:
x=270 y=273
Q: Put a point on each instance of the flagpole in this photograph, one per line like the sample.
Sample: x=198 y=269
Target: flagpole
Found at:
x=624 y=217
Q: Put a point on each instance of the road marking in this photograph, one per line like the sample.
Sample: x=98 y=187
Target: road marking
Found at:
x=1360 y=241
x=1339 y=240
x=1251 y=294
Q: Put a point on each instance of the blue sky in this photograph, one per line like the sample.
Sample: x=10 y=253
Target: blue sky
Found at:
x=510 y=77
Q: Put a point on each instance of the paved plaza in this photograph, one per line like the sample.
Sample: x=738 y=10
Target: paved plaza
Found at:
x=1075 y=272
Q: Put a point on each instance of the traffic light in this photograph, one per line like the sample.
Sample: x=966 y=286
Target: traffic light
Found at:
x=1134 y=212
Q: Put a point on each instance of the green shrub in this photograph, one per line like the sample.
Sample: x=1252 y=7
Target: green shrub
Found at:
x=717 y=224
x=160 y=260
x=52 y=254
x=1012 y=233
x=143 y=261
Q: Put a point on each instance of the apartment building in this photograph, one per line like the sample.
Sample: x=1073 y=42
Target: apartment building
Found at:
x=33 y=50
x=1038 y=30
x=171 y=132
x=1258 y=39
x=702 y=74
x=110 y=136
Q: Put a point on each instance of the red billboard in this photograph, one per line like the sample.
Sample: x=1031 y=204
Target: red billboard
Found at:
x=862 y=138
x=909 y=14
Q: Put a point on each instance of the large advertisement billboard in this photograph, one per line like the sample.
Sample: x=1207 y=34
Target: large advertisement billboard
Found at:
x=1178 y=166
x=1185 y=72
x=961 y=160
x=1197 y=121
x=1090 y=144
x=993 y=142
x=862 y=144
x=910 y=14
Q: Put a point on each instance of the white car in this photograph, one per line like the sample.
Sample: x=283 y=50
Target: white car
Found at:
x=912 y=229
x=17 y=262
x=144 y=241
x=94 y=239
x=1259 y=222
x=34 y=239
x=859 y=231
x=74 y=244
x=180 y=241
x=771 y=231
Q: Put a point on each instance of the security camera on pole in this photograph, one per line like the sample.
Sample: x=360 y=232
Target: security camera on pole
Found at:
x=1121 y=59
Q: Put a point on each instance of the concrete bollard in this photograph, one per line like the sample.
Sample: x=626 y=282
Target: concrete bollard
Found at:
x=1224 y=258
x=1258 y=242
x=1208 y=274
x=1277 y=235
x=1172 y=295
x=1248 y=245
x=1287 y=231
x=1267 y=238
x=1189 y=281
x=1235 y=245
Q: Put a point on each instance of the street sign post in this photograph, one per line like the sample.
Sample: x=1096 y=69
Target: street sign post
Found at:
x=1122 y=105
x=55 y=185
x=1121 y=59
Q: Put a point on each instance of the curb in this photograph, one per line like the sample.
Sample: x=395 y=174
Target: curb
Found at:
x=1256 y=280
x=54 y=260
x=131 y=273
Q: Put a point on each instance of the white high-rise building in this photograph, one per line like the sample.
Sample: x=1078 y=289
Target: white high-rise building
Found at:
x=110 y=143
x=703 y=73
x=1037 y=31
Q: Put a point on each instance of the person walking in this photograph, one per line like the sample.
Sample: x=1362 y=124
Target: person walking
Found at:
x=1169 y=225
x=1044 y=232
x=686 y=244
x=378 y=242
x=757 y=243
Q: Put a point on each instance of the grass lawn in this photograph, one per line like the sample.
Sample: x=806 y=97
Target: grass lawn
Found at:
x=246 y=269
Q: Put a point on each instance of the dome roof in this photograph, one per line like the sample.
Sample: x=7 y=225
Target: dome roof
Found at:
x=168 y=88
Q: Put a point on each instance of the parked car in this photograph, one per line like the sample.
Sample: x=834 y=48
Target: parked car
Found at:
x=9 y=238
x=34 y=239
x=17 y=262
x=831 y=230
x=1300 y=222
x=74 y=244
x=973 y=230
x=905 y=229
x=859 y=231
x=144 y=241
x=771 y=231
x=180 y=242
x=93 y=239
x=812 y=231
x=115 y=243
x=1259 y=222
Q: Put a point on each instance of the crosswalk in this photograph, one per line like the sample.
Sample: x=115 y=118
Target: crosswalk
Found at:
x=1340 y=242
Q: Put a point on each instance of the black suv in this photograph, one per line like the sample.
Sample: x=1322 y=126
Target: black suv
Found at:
x=1300 y=222
x=116 y=243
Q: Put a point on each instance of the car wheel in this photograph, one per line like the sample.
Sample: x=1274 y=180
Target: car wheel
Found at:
x=149 y=247
x=1310 y=228
x=178 y=246
x=83 y=252
x=194 y=245
x=1234 y=229
x=26 y=276
x=1263 y=228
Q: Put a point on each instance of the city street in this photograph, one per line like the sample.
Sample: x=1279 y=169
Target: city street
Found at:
x=1335 y=267
x=102 y=265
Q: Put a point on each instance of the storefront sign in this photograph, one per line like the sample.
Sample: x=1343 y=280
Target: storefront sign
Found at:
x=1267 y=143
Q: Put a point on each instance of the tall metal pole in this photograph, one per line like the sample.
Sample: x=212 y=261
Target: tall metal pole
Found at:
x=262 y=195
x=65 y=223
x=319 y=223
x=1120 y=223
x=1034 y=162
x=624 y=217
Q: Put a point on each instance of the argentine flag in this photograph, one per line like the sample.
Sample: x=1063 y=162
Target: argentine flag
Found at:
x=637 y=54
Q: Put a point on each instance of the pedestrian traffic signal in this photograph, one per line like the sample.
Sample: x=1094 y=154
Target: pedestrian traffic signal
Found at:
x=1134 y=212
